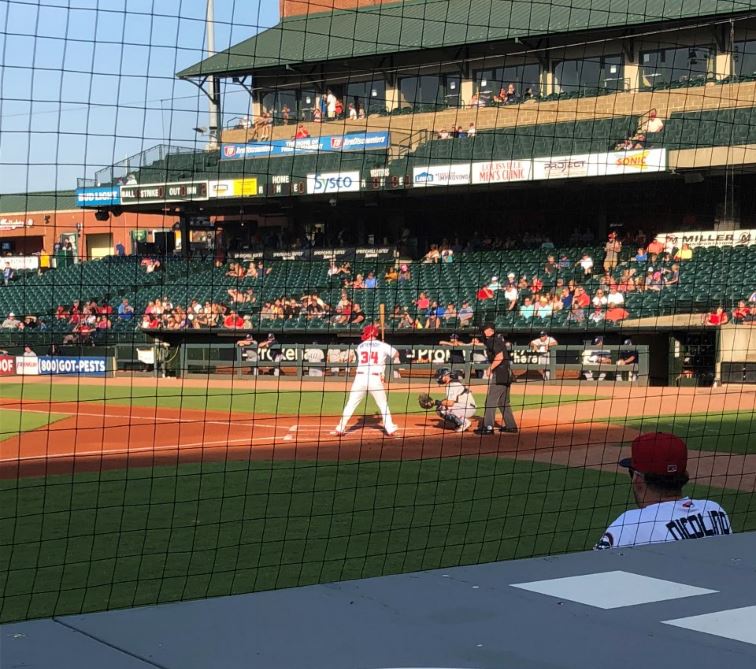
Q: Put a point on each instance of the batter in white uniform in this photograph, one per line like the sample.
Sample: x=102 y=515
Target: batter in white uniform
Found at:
x=371 y=357
x=658 y=473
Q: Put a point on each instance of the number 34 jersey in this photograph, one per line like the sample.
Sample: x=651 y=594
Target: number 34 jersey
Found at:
x=372 y=356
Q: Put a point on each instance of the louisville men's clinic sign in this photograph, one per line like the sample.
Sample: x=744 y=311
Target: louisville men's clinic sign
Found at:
x=359 y=141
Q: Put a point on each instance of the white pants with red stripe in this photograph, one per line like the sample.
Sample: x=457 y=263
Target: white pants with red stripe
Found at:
x=365 y=383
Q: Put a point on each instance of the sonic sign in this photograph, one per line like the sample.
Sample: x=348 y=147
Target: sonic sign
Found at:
x=180 y=191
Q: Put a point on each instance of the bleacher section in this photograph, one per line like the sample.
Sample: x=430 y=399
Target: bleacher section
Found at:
x=682 y=131
x=549 y=139
x=705 y=128
x=715 y=276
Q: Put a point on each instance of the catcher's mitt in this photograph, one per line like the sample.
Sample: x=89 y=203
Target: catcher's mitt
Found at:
x=426 y=401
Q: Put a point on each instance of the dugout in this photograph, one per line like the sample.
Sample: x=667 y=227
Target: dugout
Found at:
x=674 y=354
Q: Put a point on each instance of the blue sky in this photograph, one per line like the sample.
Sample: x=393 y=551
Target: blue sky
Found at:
x=86 y=83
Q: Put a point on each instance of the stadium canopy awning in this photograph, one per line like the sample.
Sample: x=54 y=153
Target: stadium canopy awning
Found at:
x=415 y=25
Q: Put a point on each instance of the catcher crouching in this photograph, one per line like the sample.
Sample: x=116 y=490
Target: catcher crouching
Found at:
x=458 y=407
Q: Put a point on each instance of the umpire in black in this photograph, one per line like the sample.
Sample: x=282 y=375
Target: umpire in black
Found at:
x=499 y=382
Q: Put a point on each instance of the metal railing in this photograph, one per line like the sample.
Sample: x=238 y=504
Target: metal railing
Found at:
x=120 y=171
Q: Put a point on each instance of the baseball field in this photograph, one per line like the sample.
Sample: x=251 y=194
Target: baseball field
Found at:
x=132 y=491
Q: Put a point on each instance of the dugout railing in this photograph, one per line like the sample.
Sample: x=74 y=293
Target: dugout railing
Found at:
x=563 y=363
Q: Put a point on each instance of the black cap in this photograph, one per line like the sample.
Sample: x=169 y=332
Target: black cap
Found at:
x=598 y=340
x=628 y=342
x=544 y=333
x=489 y=325
x=453 y=335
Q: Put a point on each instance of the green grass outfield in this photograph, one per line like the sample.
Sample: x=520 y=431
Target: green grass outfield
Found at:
x=302 y=401
x=141 y=536
x=725 y=432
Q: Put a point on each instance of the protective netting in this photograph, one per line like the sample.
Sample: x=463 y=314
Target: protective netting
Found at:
x=541 y=211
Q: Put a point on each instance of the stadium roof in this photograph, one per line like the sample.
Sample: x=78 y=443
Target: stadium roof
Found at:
x=17 y=203
x=427 y=24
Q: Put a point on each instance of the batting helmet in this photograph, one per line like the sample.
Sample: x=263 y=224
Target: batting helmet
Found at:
x=441 y=373
x=370 y=332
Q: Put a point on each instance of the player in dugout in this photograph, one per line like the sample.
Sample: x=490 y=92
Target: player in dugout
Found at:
x=658 y=473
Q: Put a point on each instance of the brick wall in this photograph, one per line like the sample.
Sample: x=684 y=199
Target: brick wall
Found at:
x=300 y=7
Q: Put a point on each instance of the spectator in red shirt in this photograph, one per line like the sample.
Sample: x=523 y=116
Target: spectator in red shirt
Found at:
x=536 y=284
x=61 y=313
x=423 y=304
x=103 y=323
x=302 y=132
x=741 y=312
x=233 y=321
x=581 y=298
x=616 y=314
x=655 y=248
x=718 y=317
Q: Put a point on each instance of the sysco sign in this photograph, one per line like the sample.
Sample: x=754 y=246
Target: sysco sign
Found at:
x=333 y=182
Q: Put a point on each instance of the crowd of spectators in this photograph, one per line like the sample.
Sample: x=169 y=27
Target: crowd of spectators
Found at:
x=559 y=287
x=507 y=95
x=583 y=289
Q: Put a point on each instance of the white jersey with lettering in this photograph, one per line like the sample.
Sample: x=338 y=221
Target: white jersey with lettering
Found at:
x=372 y=356
x=667 y=521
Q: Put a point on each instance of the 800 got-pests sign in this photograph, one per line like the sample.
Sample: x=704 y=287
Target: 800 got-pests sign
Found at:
x=333 y=182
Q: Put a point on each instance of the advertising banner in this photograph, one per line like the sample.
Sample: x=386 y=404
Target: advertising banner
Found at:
x=561 y=167
x=7 y=365
x=501 y=171
x=102 y=196
x=708 y=238
x=333 y=182
x=233 y=188
x=15 y=223
x=628 y=162
x=441 y=175
x=90 y=366
x=359 y=141
x=178 y=191
x=27 y=365
x=20 y=262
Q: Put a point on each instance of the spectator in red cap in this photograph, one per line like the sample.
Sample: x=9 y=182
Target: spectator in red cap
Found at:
x=658 y=473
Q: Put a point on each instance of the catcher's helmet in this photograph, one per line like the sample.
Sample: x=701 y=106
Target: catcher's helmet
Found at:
x=369 y=332
x=441 y=373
